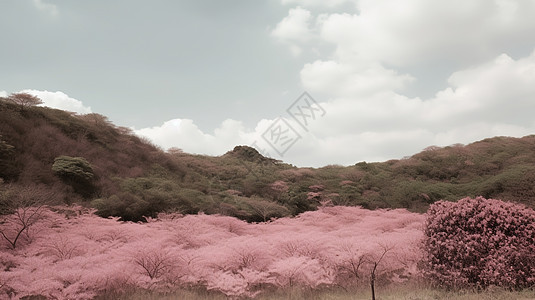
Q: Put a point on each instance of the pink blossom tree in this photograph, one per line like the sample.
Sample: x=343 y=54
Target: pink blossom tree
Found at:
x=300 y=270
x=20 y=210
x=279 y=190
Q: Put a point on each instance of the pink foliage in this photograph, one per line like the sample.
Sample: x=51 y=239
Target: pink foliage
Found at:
x=82 y=255
x=313 y=195
x=300 y=270
x=316 y=187
x=480 y=242
x=279 y=186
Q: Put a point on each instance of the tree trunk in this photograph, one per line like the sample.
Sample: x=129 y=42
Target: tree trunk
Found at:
x=372 y=283
x=372 y=280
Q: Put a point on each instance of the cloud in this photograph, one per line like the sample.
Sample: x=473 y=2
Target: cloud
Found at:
x=184 y=134
x=499 y=91
x=412 y=32
x=60 y=100
x=3 y=94
x=294 y=29
x=364 y=83
x=402 y=33
x=339 y=79
x=48 y=8
x=493 y=98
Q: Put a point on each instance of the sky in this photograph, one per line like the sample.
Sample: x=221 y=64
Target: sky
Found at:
x=309 y=82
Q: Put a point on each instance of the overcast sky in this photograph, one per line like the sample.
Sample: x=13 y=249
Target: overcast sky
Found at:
x=387 y=78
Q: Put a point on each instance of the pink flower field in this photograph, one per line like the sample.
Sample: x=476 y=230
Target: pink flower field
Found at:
x=70 y=253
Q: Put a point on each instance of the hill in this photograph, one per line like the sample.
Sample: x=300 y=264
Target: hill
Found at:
x=52 y=156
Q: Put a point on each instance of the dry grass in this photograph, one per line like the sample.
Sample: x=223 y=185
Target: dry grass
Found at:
x=391 y=293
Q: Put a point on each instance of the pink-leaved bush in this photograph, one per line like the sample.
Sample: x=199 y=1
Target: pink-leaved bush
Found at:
x=479 y=243
x=74 y=254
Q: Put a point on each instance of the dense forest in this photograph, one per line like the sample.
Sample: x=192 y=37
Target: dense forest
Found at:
x=53 y=156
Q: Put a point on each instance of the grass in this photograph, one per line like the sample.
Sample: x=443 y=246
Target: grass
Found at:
x=392 y=293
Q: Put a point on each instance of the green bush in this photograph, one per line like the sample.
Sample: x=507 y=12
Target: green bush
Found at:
x=77 y=172
x=73 y=167
x=128 y=206
x=8 y=167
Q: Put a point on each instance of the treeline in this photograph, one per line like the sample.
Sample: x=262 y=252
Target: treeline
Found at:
x=86 y=159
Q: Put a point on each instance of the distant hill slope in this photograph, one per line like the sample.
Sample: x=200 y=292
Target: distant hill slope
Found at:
x=34 y=137
x=131 y=178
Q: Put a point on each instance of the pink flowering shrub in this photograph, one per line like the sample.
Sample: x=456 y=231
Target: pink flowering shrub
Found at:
x=74 y=254
x=480 y=242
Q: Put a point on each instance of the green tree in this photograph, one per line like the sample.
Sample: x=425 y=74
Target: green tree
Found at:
x=265 y=209
x=8 y=168
x=126 y=205
x=77 y=172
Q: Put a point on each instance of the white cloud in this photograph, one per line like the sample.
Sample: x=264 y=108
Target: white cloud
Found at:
x=184 y=134
x=500 y=91
x=363 y=83
x=401 y=33
x=3 y=94
x=48 y=8
x=413 y=32
x=294 y=29
x=338 y=79
x=60 y=100
x=494 y=98
x=364 y=80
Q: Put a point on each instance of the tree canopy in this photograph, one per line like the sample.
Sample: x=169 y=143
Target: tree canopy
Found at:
x=24 y=100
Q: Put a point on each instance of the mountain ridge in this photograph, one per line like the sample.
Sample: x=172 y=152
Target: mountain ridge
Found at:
x=132 y=178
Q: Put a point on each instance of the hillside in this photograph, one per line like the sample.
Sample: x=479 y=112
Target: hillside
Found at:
x=52 y=156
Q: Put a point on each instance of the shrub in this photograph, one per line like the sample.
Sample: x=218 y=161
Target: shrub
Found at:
x=263 y=210
x=480 y=242
x=127 y=206
x=8 y=168
x=77 y=167
x=75 y=171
